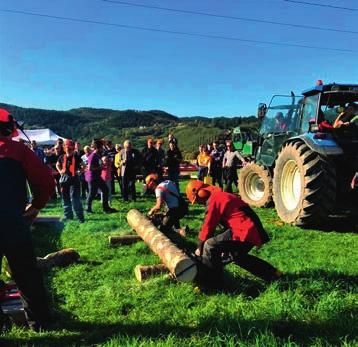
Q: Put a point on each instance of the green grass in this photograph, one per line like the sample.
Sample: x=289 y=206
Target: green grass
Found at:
x=98 y=302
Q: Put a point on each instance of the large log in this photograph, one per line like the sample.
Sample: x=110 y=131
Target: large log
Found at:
x=123 y=240
x=142 y=272
x=179 y=264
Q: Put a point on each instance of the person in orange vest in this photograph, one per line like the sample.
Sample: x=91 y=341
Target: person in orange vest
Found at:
x=242 y=232
x=19 y=164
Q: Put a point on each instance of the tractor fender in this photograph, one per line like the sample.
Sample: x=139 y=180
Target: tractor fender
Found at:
x=326 y=147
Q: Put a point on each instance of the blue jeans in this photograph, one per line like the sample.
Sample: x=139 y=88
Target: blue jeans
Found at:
x=71 y=198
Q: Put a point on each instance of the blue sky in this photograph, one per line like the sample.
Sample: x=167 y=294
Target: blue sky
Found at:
x=56 y=64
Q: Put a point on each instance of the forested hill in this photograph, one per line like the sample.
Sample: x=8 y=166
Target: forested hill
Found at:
x=86 y=123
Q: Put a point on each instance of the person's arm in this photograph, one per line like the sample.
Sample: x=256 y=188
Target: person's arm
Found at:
x=156 y=207
x=40 y=180
x=240 y=157
x=354 y=182
x=212 y=219
x=59 y=167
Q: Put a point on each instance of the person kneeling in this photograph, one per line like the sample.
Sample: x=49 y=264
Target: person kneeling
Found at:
x=243 y=231
x=166 y=193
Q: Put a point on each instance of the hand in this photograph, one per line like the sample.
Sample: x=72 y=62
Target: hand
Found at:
x=150 y=213
x=198 y=252
x=354 y=182
x=63 y=171
x=31 y=212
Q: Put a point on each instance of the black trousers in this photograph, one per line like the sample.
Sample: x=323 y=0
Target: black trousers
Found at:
x=230 y=174
x=222 y=246
x=171 y=220
x=93 y=189
x=128 y=186
x=217 y=175
x=22 y=262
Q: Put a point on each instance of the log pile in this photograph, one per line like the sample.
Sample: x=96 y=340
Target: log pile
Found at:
x=178 y=263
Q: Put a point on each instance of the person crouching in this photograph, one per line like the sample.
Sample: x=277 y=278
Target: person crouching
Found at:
x=166 y=193
x=243 y=231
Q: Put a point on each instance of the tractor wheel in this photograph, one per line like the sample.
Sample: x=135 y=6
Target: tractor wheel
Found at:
x=255 y=185
x=304 y=186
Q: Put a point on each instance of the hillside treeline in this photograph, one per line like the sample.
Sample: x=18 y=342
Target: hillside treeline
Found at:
x=85 y=124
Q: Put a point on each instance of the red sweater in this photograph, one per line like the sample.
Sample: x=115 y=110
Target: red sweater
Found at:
x=18 y=164
x=231 y=212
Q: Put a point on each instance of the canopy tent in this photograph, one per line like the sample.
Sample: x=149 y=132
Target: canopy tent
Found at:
x=43 y=137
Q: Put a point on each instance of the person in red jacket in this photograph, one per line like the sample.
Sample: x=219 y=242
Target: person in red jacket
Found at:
x=19 y=164
x=242 y=231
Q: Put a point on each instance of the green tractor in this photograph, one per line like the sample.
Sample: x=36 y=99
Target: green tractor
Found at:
x=303 y=165
x=244 y=140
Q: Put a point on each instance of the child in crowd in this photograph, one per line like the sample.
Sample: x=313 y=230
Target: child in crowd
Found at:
x=106 y=175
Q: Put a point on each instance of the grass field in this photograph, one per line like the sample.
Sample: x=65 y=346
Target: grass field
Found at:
x=98 y=301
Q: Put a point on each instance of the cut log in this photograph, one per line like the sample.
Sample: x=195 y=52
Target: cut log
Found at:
x=123 y=240
x=62 y=258
x=142 y=272
x=179 y=264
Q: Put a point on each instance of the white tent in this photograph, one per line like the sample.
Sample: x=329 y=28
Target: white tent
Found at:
x=43 y=137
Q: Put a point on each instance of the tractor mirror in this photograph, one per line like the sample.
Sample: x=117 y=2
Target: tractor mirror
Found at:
x=261 y=110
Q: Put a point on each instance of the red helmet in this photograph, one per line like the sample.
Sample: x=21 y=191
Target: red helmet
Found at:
x=8 y=123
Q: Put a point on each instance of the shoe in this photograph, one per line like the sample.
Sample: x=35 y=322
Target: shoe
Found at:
x=89 y=211
x=110 y=210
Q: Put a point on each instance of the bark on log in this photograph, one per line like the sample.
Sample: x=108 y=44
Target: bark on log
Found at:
x=123 y=240
x=179 y=264
x=62 y=258
x=142 y=272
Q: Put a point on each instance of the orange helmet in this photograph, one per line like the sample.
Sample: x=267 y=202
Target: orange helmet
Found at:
x=195 y=191
x=150 y=178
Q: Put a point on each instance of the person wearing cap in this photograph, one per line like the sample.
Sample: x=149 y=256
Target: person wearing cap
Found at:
x=150 y=161
x=242 y=232
x=167 y=194
x=69 y=165
x=94 y=179
x=19 y=164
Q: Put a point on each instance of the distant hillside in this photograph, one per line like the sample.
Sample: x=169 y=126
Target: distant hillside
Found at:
x=86 y=123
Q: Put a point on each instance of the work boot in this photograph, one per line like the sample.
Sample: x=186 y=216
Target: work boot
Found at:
x=110 y=210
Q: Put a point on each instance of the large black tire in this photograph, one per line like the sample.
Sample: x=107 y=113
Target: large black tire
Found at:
x=304 y=186
x=255 y=185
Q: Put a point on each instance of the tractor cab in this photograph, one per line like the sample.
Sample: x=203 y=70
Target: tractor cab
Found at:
x=244 y=140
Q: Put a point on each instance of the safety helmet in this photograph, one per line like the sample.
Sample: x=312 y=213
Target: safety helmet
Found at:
x=195 y=191
x=7 y=123
x=150 y=178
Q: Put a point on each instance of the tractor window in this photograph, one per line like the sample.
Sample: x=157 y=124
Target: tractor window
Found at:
x=309 y=114
x=281 y=115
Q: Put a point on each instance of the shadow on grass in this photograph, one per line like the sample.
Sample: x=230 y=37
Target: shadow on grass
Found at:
x=82 y=333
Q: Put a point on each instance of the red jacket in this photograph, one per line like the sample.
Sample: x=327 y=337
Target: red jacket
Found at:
x=231 y=212
x=19 y=164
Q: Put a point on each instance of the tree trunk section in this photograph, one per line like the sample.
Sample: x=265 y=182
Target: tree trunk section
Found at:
x=123 y=240
x=142 y=272
x=179 y=264
x=62 y=258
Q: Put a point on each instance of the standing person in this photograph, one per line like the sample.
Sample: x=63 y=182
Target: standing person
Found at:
x=129 y=162
x=173 y=160
x=106 y=175
x=117 y=166
x=150 y=161
x=216 y=171
x=37 y=150
x=171 y=138
x=243 y=231
x=167 y=194
x=230 y=163
x=94 y=179
x=110 y=152
x=203 y=161
x=51 y=161
x=161 y=159
x=69 y=166
x=84 y=185
x=19 y=164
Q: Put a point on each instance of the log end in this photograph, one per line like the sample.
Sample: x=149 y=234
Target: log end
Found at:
x=185 y=270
